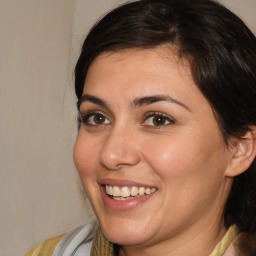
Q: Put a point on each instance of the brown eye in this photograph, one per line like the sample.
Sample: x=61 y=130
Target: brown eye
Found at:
x=95 y=119
x=99 y=119
x=157 y=120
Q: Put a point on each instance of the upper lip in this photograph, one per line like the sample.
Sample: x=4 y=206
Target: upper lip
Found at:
x=123 y=183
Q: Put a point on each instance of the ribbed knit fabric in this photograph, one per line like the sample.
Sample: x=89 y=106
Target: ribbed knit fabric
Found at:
x=101 y=246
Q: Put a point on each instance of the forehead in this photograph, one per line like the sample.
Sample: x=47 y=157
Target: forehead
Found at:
x=138 y=64
x=141 y=72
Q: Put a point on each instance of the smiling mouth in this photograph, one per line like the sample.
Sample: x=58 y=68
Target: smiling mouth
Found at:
x=127 y=193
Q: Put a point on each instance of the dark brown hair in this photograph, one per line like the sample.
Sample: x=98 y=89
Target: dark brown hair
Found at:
x=222 y=54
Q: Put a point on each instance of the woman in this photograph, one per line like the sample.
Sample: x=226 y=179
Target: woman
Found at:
x=166 y=143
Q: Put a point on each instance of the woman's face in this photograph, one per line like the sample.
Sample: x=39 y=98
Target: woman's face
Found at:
x=149 y=151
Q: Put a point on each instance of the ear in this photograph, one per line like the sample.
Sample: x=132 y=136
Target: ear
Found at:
x=243 y=152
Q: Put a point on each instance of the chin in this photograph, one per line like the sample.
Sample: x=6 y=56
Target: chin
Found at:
x=125 y=231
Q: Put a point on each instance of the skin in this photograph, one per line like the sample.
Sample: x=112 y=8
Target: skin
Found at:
x=184 y=157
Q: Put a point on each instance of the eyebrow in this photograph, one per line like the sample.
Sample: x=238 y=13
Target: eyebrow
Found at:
x=156 y=98
x=92 y=99
x=138 y=102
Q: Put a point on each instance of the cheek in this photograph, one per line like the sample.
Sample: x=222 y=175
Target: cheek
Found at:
x=169 y=157
x=187 y=156
x=84 y=157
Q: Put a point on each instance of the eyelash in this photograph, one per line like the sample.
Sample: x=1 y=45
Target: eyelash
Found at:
x=84 y=119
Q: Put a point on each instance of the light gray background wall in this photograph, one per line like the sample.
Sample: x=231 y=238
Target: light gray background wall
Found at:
x=40 y=192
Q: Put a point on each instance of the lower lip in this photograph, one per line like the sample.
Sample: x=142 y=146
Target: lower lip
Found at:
x=123 y=205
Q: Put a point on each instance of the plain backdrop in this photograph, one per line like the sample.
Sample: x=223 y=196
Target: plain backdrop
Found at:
x=40 y=192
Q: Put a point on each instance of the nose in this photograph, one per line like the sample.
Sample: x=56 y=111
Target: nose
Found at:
x=119 y=149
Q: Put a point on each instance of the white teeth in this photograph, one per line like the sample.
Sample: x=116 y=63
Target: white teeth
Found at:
x=116 y=191
x=141 y=191
x=122 y=198
x=152 y=190
x=121 y=193
x=147 y=191
x=110 y=190
x=134 y=191
x=125 y=192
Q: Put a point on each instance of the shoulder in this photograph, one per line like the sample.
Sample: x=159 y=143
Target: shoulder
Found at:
x=76 y=242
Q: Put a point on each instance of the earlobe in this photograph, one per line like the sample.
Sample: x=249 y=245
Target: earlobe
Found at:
x=243 y=154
